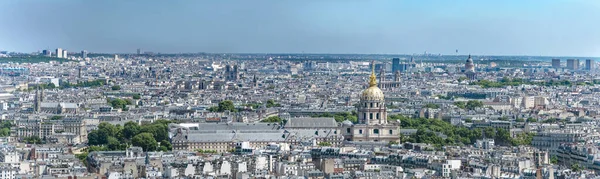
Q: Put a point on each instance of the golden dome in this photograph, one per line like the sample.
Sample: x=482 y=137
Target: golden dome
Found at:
x=373 y=93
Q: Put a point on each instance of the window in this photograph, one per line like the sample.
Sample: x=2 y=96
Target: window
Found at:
x=370 y=115
x=365 y=105
x=348 y=130
x=375 y=131
x=391 y=132
x=371 y=105
x=377 y=115
x=360 y=131
x=364 y=115
x=334 y=132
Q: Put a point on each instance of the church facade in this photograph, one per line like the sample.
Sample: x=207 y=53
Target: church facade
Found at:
x=372 y=123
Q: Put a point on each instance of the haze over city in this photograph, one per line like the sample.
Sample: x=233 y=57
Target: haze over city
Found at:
x=511 y=27
x=305 y=89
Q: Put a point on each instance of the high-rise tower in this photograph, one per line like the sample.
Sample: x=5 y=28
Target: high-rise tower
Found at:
x=381 y=77
x=59 y=53
x=395 y=65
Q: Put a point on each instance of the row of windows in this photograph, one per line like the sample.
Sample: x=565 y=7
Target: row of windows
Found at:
x=375 y=131
x=370 y=115
x=371 y=105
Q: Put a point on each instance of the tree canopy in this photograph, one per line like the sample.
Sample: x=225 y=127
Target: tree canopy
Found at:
x=272 y=119
x=116 y=87
x=342 y=116
x=117 y=137
x=5 y=128
x=136 y=96
x=94 y=83
x=120 y=103
x=223 y=106
x=145 y=140
x=470 y=105
x=456 y=135
x=432 y=106
x=271 y=103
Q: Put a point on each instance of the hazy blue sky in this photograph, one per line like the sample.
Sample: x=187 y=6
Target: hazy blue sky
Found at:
x=499 y=27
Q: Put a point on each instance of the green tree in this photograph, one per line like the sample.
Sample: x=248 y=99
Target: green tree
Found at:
x=472 y=104
x=223 y=106
x=4 y=132
x=115 y=144
x=489 y=132
x=131 y=129
x=50 y=86
x=119 y=103
x=159 y=131
x=460 y=104
x=82 y=157
x=520 y=120
x=554 y=159
x=503 y=137
x=576 y=168
x=226 y=106
x=5 y=128
x=56 y=117
x=146 y=141
x=530 y=119
x=432 y=106
x=32 y=140
x=206 y=151
x=166 y=144
x=272 y=119
x=116 y=87
x=271 y=103
x=96 y=137
x=109 y=129
x=341 y=116
x=136 y=96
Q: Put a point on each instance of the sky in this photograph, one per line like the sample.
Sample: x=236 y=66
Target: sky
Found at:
x=479 y=27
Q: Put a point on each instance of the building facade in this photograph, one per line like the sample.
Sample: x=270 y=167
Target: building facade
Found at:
x=470 y=69
x=372 y=123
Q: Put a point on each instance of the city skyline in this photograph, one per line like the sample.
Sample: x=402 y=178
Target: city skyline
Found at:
x=535 y=28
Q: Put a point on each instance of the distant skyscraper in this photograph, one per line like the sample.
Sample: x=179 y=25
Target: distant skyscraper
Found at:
x=47 y=53
x=379 y=67
x=116 y=57
x=64 y=53
x=139 y=51
x=59 y=52
x=395 y=65
x=573 y=64
x=84 y=54
x=589 y=64
x=556 y=63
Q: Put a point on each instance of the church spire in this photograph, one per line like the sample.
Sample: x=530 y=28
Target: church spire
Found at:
x=373 y=78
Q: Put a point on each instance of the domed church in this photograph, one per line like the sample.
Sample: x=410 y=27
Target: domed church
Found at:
x=372 y=123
